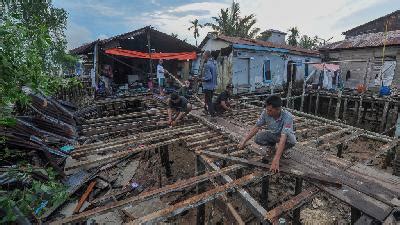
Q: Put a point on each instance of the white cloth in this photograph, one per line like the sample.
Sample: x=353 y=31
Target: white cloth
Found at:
x=327 y=82
x=160 y=71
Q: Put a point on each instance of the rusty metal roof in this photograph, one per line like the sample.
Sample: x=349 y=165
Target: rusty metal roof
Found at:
x=254 y=42
x=366 y=41
x=155 y=36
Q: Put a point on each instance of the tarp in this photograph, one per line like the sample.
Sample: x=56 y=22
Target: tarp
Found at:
x=331 y=67
x=144 y=55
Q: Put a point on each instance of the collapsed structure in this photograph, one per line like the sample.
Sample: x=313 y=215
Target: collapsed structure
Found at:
x=125 y=164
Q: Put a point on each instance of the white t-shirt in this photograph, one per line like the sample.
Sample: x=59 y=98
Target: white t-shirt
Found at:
x=160 y=71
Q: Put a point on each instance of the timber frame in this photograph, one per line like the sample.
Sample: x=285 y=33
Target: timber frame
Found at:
x=317 y=160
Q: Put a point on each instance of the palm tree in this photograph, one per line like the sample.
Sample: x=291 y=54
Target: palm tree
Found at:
x=195 y=26
x=230 y=23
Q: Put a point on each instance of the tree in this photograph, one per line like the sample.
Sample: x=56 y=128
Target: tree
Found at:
x=32 y=51
x=264 y=35
x=230 y=23
x=195 y=27
x=294 y=35
x=308 y=42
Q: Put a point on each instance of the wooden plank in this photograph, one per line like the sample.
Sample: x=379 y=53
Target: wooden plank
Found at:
x=197 y=200
x=84 y=197
x=365 y=203
x=249 y=201
x=179 y=185
x=291 y=204
x=308 y=176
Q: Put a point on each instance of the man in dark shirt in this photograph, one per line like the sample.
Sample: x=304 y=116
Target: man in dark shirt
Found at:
x=178 y=107
x=221 y=104
x=185 y=90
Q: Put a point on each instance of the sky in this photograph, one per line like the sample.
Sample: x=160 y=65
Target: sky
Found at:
x=89 y=20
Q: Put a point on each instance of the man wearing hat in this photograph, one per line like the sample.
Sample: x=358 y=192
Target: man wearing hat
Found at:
x=221 y=104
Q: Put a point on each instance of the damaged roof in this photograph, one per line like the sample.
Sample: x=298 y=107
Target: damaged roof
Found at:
x=366 y=41
x=160 y=41
x=255 y=42
x=377 y=25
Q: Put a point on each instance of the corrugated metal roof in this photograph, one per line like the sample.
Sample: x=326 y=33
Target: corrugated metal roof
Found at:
x=366 y=40
x=254 y=42
x=371 y=22
x=84 y=49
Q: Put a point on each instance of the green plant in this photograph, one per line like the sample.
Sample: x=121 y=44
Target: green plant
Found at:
x=32 y=52
x=30 y=198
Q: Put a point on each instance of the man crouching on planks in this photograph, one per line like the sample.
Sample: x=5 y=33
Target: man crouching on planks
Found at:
x=279 y=133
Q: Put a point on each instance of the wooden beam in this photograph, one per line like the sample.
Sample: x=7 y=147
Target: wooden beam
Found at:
x=293 y=203
x=197 y=200
x=179 y=185
x=249 y=201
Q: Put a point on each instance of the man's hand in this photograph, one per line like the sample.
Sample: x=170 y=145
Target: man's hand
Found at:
x=241 y=145
x=274 y=166
x=174 y=123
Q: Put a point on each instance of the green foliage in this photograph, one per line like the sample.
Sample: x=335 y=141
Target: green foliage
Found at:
x=230 y=23
x=264 y=35
x=293 y=36
x=32 y=52
x=29 y=199
x=308 y=42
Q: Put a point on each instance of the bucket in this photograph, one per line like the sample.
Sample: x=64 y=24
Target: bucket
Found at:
x=385 y=90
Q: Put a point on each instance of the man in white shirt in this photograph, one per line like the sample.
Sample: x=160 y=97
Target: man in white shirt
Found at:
x=160 y=77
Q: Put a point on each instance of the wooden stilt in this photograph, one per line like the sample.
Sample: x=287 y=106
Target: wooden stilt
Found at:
x=345 y=109
x=355 y=215
x=309 y=103
x=302 y=96
x=264 y=192
x=164 y=153
x=330 y=104
x=201 y=210
x=316 y=105
x=360 y=110
x=338 y=104
x=297 y=190
x=384 y=116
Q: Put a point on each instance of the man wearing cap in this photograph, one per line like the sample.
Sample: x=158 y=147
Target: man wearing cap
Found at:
x=221 y=104
x=178 y=108
x=279 y=132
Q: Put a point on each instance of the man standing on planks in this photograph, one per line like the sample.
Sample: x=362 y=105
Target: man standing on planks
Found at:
x=161 y=77
x=279 y=133
x=178 y=108
x=209 y=81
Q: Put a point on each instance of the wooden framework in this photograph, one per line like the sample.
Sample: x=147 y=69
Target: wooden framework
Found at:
x=369 y=191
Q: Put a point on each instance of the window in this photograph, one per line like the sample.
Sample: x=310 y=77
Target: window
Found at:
x=267 y=77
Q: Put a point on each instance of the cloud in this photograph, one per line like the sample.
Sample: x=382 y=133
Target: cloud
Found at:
x=77 y=35
x=177 y=19
x=312 y=17
x=102 y=36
